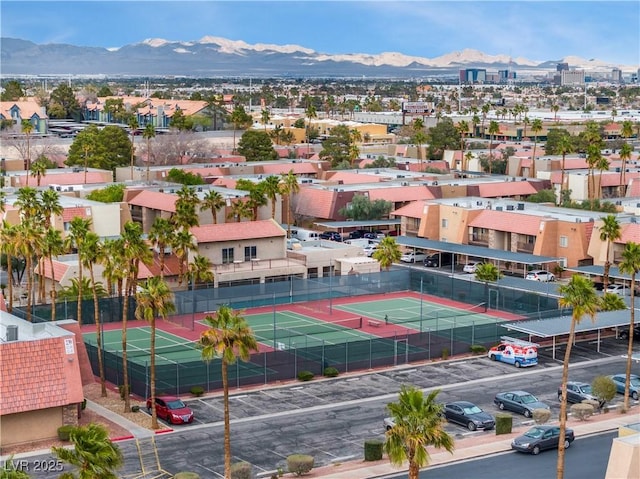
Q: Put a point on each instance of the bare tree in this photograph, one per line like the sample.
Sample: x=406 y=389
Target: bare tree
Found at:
x=177 y=147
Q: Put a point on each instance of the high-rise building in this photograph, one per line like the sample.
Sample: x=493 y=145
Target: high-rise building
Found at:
x=616 y=75
x=473 y=75
x=572 y=77
x=562 y=67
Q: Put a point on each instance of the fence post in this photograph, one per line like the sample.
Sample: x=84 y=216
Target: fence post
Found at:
x=473 y=332
x=370 y=352
x=452 y=330
x=346 y=357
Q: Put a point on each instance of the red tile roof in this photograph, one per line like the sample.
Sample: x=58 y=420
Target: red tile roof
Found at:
x=301 y=168
x=155 y=200
x=171 y=267
x=76 y=212
x=351 y=178
x=36 y=375
x=93 y=177
x=316 y=202
x=414 y=209
x=630 y=232
x=506 y=189
x=399 y=194
x=59 y=269
x=507 y=221
x=237 y=231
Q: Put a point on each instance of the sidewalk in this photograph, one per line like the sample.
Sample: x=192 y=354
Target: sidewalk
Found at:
x=473 y=447
x=136 y=431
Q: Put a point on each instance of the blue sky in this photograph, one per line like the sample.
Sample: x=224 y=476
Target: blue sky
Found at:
x=538 y=30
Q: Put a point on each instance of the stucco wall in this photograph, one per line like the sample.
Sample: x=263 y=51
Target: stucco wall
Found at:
x=30 y=426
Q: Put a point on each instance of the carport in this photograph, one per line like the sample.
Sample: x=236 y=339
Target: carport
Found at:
x=559 y=326
x=340 y=226
x=524 y=259
x=598 y=271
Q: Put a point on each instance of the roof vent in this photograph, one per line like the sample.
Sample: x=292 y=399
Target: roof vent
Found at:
x=12 y=333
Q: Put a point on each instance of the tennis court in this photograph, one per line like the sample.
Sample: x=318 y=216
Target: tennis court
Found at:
x=421 y=315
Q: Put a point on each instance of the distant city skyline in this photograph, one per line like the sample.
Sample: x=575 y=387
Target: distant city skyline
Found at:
x=537 y=30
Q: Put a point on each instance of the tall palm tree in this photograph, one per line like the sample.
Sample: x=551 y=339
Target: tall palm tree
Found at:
x=49 y=205
x=78 y=230
x=387 y=253
x=133 y=127
x=595 y=143
x=134 y=251
x=468 y=156
x=229 y=338
x=630 y=265
x=494 y=129
x=154 y=298
x=239 y=210
x=609 y=231
x=418 y=424
x=38 y=170
x=579 y=295
x=463 y=129
x=182 y=242
x=487 y=273
x=214 y=202
x=52 y=245
x=355 y=137
x=8 y=247
x=475 y=121
x=113 y=263
x=264 y=118
x=148 y=133
x=625 y=155
x=311 y=114
x=536 y=127
x=486 y=108
x=93 y=455
x=159 y=236
x=257 y=198
x=289 y=187
x=27 y=129
x=602 y=165
x=565 y=146
x=271 y=188
x=186 y=205
x=29 y=244
x=199 y=270
x=239 y=118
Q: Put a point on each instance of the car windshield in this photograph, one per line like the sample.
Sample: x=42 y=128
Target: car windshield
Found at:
x=528 y=399
x=534 y=433
x=586 y=389
x=177 y=404
x=472 y=410
x=635 y=382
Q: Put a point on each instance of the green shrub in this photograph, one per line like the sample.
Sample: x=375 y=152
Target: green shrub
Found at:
x=121 y=389
x=373 y=449
x=197 y=391
x=330 y=372
x=582 y=411
x=241 y=470
x=135 y=408
x=84 y=404
x=504 y=423
x=186 y=475
x=65 y=431
x=540 y=416
x=299 y=464
x=445 y=353
x=477 y=349
x=603 y=388
x=305 y=375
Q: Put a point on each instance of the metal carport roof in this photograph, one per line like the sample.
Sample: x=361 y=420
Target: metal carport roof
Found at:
x=559 y=326
x=356 y=224
x=593 y=270
x=476 y=251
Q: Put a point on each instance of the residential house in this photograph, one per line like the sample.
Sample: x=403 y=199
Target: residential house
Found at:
x=25 y=110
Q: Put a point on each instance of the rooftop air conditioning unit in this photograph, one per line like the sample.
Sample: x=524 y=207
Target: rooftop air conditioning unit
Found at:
x=520 y=206
x=578 y=220
x=498 y=208
x=510 y=208
x=12 y=332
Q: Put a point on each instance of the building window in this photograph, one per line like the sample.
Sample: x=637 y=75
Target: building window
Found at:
x=562 y=262
x=250 y=252
x=564 y=241
x=445 y=222
x=227 y=255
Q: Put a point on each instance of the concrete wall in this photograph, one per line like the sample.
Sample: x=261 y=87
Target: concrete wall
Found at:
x=30 y=426
x=624 y=458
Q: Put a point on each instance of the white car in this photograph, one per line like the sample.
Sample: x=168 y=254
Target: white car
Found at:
x=540 y=275
x=388 y=423
x=471 y=267
x=618 y=289
x=370 y=248
x=412 y=257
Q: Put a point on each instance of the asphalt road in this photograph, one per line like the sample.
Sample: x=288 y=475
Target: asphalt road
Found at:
x=331 y=419
x=586 y=459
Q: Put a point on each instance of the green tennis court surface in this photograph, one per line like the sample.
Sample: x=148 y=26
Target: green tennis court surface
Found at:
x=420 y=315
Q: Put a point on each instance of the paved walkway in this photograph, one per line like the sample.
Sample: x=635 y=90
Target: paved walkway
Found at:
x=136 y=431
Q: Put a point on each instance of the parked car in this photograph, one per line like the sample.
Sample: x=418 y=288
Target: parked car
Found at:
x=634 y=384
x=471 y=267
x=540 y=275
x=357 y=234
x=438 y=259
x=412 y=257
x=543 y=437
x=618 y=289
x=370 y=249
x=388 y=423
x=172 y=410
x=468 y=414
x=624 y=333
x=520 y=402
x=577 y=392
x=331 y=235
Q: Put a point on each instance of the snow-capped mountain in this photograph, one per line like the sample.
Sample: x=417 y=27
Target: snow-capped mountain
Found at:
x=215 y=57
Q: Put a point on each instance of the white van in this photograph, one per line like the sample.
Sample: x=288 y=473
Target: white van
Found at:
x=306 y=235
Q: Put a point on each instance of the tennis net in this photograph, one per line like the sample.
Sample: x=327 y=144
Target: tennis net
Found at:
x=179 y=348
x=291 y=329
x=440 y=313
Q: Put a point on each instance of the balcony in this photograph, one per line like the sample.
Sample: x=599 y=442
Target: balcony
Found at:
x=524 y=247
x=479 y=239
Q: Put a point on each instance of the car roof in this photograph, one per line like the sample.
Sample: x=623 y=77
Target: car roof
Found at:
x=518 y=393
x=167 y=397
x=578 y=383
x=460 y=403
x=537 y=271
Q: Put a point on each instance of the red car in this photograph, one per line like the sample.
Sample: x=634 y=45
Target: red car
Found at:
x=171 y=409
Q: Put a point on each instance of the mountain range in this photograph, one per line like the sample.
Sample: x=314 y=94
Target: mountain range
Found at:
x=212 y=57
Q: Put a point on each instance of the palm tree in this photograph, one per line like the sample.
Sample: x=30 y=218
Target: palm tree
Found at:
x=601 y=165
x=579 y=295
x=8 y=247
x=594 y=142
x=182 y=243
x=463 y=129
x=52 y=245
x=38 y=170
x=625 y=155
x=239 y=118
x=487 y=272
x=28 y=243
x=536 y=127
x=609 y=231
x=148 y=133
x=240 y=209
x=271 y=188
x=486 y=108
x=475 y=121
x=419 y=137
x=387 y=253
x=49 y=205
x=159 y=236
x=199 y=270
x=27 y=129
x=264 y=118
x=565 y=146
x=90 y=254
x=186 y=215
x=494 y=129
x=355 y=137
x=311 y=114
x=93 y=455
x=134 y=251
x=213 y=201
x=418 y=423
x=229 y=338
x=154 y=298
x=78 y=230
x=257 y=198
x=133 y=127
x=612 y=302
x=630 y=265
x=289 y=187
